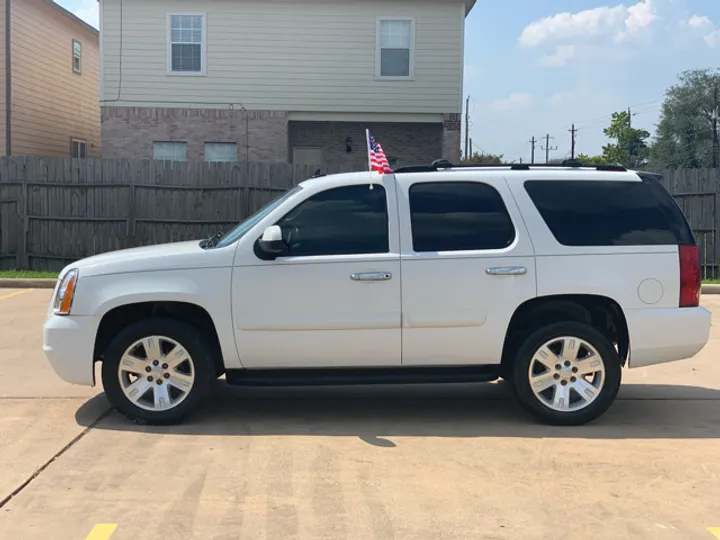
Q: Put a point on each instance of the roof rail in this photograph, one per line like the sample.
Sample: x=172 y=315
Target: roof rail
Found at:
x=442 y=164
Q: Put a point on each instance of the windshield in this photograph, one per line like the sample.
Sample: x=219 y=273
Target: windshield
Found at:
x=233 y=235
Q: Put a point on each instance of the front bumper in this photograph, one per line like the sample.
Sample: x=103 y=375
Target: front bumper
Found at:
x=664 y=335
x=69 y=343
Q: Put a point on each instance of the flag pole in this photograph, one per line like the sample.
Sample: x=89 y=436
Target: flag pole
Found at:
x=367 y=141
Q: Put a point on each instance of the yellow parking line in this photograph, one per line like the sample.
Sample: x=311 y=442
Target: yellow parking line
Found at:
x=715 y=531
x=102 y=531
x=14 y=294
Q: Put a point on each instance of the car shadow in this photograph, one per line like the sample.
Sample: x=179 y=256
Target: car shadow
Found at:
x=377 y=414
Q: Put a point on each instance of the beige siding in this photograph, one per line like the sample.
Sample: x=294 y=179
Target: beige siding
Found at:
x=294 y=55
x=50 y=104
x=2 y=79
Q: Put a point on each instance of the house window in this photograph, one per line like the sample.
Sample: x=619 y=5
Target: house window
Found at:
x=221 y=152
x=77 y=56
x=170 y=151
x=395 y=48
x=186 y=51
x=78 y=148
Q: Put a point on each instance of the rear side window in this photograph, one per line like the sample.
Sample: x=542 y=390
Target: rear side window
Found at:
x=458 y=216
x=597 y=213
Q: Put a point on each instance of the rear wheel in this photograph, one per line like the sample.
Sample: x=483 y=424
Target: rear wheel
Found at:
x=156 y=371
x=567 y=374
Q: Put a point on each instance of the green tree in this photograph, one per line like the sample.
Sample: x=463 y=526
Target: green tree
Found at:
x=685 y=132
x=481 y=158
x=630 y=147
x=591 y=160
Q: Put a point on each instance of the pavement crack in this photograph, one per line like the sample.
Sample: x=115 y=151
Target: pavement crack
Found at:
x=54 y=458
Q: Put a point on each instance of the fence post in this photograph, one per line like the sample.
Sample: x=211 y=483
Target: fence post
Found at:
x=130 y=240
x=22 y=206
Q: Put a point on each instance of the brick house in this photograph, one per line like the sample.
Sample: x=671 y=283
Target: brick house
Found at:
x=282 y=80
x=49 y=87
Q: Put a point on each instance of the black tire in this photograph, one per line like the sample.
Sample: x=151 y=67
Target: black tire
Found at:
x=521 y=379
x=187 y=336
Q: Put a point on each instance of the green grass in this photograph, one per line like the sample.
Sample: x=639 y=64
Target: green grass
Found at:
x=711 y=281
x=27 y=274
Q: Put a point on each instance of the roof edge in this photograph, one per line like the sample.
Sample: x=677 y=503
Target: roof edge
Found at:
x=469 y=5
x=70 y=15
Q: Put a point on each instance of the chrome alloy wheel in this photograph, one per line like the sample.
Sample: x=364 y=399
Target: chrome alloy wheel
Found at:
x=566 y=374
x=156 y=373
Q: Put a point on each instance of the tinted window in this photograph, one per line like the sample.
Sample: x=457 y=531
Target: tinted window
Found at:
x=456 y=216
x=341 y=221
x=596 y=213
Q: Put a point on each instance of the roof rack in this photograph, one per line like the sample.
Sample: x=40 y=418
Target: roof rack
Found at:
x=442 y=164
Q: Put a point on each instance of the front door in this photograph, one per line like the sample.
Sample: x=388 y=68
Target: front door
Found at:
x=334 y=300
x=467 y=264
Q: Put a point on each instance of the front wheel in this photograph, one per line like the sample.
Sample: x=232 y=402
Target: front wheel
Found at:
x=567 y=374
x=156 y=371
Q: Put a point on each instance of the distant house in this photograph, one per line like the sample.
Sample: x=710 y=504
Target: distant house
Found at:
x=49 y=89
x=292 y=81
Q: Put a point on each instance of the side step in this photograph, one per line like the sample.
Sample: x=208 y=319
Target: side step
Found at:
x=357 y=376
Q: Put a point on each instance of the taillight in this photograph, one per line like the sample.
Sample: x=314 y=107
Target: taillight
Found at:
x=689 y=276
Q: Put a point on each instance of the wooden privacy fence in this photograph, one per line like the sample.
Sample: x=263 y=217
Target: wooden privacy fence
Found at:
x=697 y=194
x=54 y=211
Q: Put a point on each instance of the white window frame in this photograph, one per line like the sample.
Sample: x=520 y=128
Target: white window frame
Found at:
x=80 y=56
x=378 y=53
x=184 y=143
x=225 y=144
x=79 y=142
x=203 y=46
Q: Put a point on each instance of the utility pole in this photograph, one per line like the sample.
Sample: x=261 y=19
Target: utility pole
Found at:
x=467 y=127
x=472 y=152
x=572 y=131
x=547 y=148
x=532 y=151
x=716 y=114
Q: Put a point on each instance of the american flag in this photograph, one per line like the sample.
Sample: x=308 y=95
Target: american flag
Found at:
x=376 y=156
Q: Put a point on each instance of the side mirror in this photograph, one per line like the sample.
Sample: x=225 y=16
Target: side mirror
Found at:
x=271 y=244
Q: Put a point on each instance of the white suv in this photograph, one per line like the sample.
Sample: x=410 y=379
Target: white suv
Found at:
x=552 y=278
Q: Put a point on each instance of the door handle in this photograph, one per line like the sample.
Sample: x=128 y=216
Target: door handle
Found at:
x=506 y=271
x=371 y=276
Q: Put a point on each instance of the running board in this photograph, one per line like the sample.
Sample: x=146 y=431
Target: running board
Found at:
x=357 y=376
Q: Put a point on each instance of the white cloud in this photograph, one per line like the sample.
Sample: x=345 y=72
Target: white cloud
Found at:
x=88 y=12
x=516 y=101
x=620 y=20
x=640 y=16
x=562 y=55
x=712 y=39
x=703 y=25
x=700 y=22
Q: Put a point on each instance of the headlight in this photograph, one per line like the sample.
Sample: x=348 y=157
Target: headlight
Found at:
x=65 y=293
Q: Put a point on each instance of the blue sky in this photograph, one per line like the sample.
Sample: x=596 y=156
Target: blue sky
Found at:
x=534 y=67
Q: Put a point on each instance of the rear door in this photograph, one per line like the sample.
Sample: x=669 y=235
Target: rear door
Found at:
x=467 y=263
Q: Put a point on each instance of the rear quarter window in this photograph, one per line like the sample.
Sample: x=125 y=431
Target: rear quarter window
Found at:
x=609 y=213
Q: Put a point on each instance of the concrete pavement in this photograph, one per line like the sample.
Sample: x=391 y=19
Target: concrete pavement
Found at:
x=415 y=462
